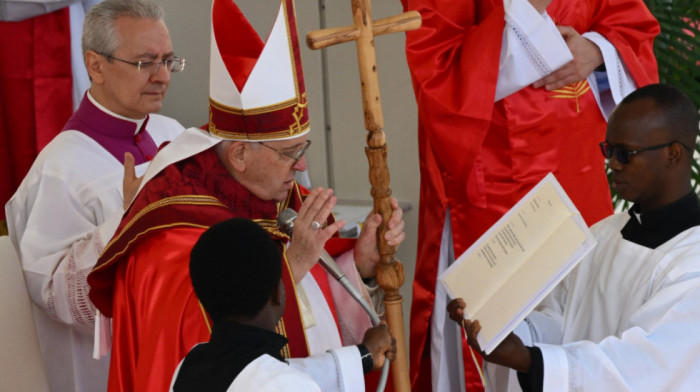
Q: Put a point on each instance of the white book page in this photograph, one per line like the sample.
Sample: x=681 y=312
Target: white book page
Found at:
x=518 y=261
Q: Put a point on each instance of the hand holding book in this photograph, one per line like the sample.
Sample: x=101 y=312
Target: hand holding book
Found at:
x=519 y=260
x=511 y=352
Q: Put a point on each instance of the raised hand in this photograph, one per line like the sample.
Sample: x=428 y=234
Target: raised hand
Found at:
x=310 y=232
x=130 y=183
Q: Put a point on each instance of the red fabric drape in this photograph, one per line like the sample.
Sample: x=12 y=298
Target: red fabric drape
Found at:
x=35 y=92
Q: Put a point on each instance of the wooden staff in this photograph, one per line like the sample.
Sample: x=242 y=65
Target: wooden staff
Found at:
x=390 y=274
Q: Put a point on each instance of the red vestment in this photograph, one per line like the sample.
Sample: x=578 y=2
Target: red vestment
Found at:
x=477 y=157
x=35 y=92
x=142 y=278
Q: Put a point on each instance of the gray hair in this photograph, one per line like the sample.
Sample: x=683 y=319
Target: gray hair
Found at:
x=99 y=33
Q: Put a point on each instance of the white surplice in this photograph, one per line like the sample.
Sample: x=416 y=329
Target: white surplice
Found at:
x=629 y=316
x=61 y=217
x=267 y=374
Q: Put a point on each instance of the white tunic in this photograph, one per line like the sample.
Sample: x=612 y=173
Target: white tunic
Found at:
x=630 y=317
x=267 y=374
x=326 y=371
x=64 y=212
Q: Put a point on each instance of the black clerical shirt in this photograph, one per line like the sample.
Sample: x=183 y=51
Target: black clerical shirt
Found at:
x=214 y=365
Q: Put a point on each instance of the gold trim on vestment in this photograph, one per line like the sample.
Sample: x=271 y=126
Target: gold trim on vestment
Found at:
x=271 y=226
x=204 y=315
x=301 y=318
x=280 y=329
x=189 y=200
x=573 y=91
x=139 y=235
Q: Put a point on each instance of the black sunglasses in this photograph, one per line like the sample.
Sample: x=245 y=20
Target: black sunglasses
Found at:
x=623 y=156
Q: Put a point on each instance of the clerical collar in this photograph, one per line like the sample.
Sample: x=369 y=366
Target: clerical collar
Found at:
x=138 y=122
x=231 y=336
x=654 y=228
x=116 y=134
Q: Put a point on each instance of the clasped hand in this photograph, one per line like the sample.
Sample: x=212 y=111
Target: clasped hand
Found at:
x=381 y=344
x=587 y=57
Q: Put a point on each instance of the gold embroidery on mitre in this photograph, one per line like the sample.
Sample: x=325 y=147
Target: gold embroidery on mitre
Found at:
x=284 y=134
x=573 y=91
x=298 y=115
x=295 y=128
x=254 y=111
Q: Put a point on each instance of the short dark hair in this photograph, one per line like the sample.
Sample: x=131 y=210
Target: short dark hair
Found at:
x=678 y=112
x=235 y=266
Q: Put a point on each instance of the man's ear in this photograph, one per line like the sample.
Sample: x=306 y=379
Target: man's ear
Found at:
x=674 y=156
x=237 y=153
x=94 y=65
x=278 y=295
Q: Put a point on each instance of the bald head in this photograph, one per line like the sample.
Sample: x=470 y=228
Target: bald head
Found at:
x=670 y=109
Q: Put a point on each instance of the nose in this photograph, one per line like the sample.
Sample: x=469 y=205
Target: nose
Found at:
x=300 y=165
x=614 y=164
x=162 y=75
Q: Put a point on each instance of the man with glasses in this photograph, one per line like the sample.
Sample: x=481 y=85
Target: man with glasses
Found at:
x=243 y=166
x=72 y=199
x=626 y=319
x=623 y=156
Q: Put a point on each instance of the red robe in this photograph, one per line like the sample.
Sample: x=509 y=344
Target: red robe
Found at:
x=142 y=278
x=36 y=86
x=477 y=157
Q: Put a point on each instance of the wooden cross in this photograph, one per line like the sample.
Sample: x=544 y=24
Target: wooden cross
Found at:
x=390 y=274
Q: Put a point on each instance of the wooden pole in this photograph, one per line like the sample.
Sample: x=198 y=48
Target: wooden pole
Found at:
x=390 y=273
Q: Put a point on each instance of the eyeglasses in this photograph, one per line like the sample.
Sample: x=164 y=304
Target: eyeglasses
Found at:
x=294 y=156
x=623 y=156
x=175 y=64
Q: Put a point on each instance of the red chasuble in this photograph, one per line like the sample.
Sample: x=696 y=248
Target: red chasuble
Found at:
x=477 y=157
x=142 y=278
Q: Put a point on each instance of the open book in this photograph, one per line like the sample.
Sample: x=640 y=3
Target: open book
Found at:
x=518 y=261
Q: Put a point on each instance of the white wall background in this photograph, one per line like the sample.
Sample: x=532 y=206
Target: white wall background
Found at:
x=337 y=157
